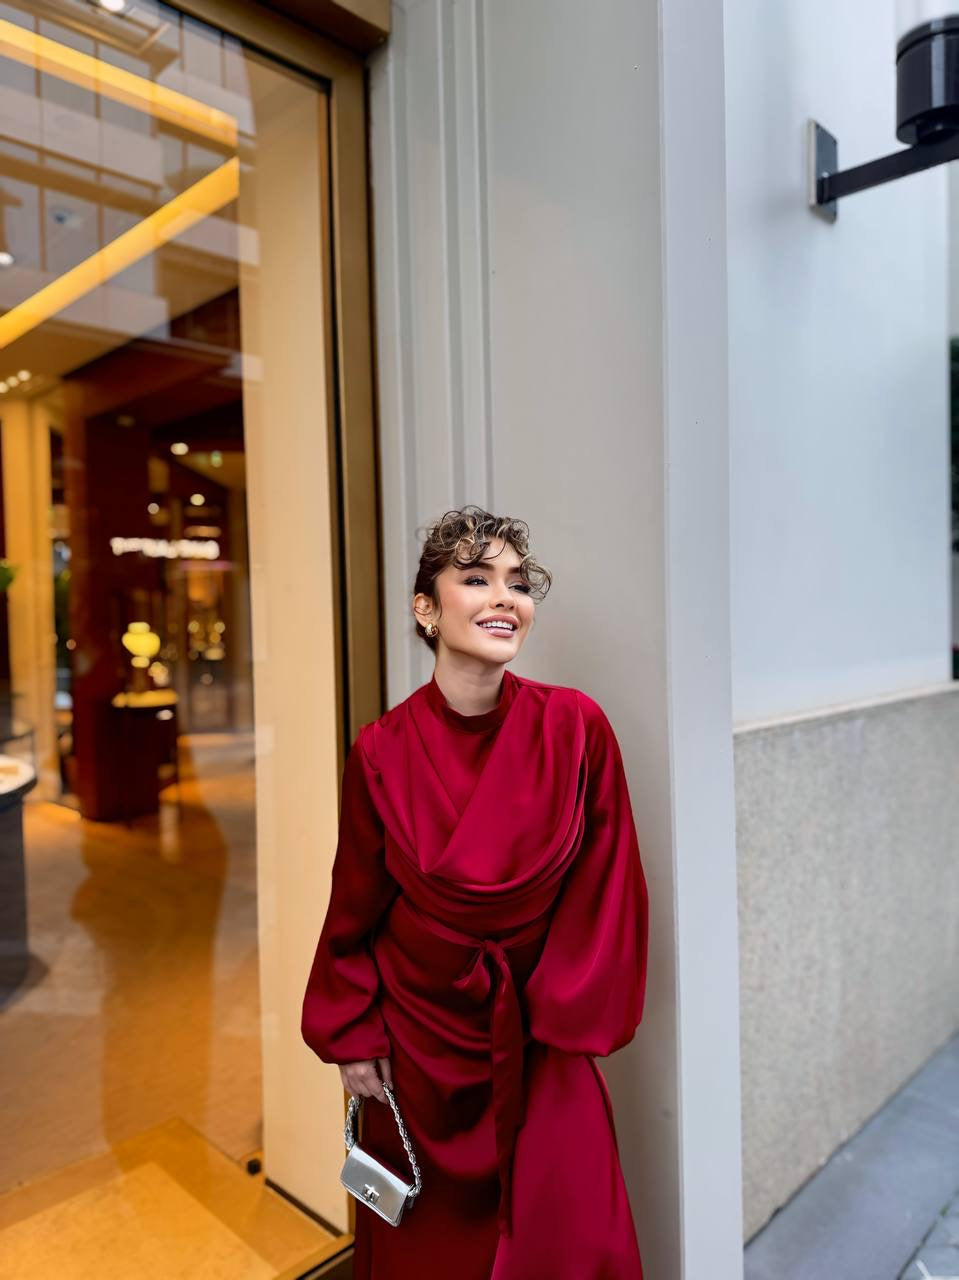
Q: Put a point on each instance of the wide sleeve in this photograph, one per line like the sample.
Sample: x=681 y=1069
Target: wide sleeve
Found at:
x=587 y=991
x=341 y=1020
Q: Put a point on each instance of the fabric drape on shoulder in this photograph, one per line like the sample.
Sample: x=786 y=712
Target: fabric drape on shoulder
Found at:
x=341 y=1021
x=587 y=992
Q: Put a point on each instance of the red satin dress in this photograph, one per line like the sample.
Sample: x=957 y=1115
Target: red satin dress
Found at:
x=487 y=932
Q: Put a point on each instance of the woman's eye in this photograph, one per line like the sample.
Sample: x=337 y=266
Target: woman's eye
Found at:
x=523 y=586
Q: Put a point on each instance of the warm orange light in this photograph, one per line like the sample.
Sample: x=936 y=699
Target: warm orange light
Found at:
x=166 y=223
x=143 y=643
x=92 y=73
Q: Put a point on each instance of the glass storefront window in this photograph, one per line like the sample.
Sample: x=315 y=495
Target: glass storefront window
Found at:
x=161 y=267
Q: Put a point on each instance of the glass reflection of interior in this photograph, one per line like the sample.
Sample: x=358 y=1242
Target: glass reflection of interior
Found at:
x=120 y=344
x=134 y=205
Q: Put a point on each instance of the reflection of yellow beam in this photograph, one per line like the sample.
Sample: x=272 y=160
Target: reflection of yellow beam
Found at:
x=100 y=77
x=170 y=220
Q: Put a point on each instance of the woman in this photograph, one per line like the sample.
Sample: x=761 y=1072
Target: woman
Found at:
x=486 y=937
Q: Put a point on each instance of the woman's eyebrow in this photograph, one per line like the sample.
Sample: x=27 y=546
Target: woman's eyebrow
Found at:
x=492 y=565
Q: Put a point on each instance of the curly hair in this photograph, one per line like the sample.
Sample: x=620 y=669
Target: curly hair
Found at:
x=462 y=538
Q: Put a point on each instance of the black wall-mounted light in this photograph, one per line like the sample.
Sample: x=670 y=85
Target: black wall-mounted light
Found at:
x=927 y=111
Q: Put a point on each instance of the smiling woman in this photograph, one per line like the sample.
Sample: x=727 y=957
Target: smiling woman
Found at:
x=476 y=575
x=486 y=938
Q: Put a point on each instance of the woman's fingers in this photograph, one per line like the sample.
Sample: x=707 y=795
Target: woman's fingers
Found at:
x=361 y=1080
x=376 y=1084
x=351 y=1083
x=385 y=1070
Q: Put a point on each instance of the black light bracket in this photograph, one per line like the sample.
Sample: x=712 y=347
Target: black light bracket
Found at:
x=827 y=183
x=927 y=119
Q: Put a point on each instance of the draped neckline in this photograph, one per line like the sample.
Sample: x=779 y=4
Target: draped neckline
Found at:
x=529 y=766
x=476 y=723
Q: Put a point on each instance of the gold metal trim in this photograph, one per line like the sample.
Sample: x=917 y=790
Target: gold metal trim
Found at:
x=54 y=58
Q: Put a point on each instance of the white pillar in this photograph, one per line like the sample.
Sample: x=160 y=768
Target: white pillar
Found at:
x=698 y=636
x=549 y=186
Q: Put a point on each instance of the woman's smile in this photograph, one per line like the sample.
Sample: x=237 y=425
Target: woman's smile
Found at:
x=501 y=629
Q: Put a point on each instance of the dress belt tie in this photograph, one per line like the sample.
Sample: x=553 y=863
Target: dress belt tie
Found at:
x=506 y=1038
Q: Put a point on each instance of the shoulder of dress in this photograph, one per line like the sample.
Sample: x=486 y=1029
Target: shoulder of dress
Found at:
x=363 y=742
x=371 y=735
x=570 y=692
x=543 y=685
x=368 y=739
x=595 y=719
x=576 y=703
x=588 y=707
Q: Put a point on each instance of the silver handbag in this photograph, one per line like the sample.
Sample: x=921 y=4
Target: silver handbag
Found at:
x=370 y=1181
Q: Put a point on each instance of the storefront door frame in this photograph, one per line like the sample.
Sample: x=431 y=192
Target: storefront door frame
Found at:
x=302 y=1120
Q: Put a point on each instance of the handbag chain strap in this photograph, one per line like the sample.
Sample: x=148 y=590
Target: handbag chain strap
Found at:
x=349 y=1134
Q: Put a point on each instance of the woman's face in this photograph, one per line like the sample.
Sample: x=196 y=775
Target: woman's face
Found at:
x=468 y=597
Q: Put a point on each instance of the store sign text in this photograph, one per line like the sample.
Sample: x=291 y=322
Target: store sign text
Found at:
x=170 y=549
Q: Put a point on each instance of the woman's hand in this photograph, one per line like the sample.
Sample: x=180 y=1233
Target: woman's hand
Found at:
x=361 y=1080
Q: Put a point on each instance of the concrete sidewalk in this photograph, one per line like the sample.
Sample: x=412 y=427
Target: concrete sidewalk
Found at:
x=885 y=1206
x=938 y=1256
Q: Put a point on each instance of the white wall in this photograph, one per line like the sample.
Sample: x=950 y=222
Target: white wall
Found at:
x=838 y=373
x=549 y=251
x=840 y=590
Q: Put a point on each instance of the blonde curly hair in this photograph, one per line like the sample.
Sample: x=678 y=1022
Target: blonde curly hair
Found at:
x=462 y=537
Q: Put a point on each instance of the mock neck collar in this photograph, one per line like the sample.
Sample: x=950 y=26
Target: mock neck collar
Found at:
x=485 y=719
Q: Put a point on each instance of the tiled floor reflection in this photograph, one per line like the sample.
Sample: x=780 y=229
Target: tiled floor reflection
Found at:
x=164 y=1204
x=143 y=1003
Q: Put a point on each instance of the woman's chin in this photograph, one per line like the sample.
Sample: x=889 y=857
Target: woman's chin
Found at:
x=495 y=652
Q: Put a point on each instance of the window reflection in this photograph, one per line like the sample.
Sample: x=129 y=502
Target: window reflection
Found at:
x=132 y=215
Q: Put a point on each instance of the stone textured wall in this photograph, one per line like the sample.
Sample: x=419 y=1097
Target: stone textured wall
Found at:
x=848 y=856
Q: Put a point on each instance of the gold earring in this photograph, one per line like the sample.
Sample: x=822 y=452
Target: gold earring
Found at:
x=432 y=629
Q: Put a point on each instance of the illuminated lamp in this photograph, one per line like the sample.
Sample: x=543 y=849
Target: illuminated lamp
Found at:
x=144 y=645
